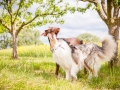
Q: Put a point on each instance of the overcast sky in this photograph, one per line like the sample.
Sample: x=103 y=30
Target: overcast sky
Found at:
x=78 y=23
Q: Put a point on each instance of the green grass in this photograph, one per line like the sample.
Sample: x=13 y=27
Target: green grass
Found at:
x=29 y=51
x=35 y=67
x=29 y=73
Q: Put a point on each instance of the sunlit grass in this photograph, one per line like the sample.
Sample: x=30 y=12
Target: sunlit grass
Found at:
x=29 y=73
x=35 y=67
x=28 y=51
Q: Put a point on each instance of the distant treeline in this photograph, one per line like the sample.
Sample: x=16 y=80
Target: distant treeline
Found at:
x=26 y=37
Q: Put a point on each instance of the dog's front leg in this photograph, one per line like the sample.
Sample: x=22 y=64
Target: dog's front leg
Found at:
x=74 y=71
x=57 y=69
x=68 y=76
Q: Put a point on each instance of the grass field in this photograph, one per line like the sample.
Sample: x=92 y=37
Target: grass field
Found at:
x=34 y=70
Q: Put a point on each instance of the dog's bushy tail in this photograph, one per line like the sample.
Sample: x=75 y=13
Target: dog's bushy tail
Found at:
x=108 y=48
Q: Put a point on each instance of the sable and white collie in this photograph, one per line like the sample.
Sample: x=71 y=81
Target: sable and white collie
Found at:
x=90 y=55
x=62 y=56
x=70 y=41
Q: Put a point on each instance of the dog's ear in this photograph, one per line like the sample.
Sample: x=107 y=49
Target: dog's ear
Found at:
x=57 y=30
x=44 y=33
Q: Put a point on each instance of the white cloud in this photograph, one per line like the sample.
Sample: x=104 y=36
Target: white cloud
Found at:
x=79 y=23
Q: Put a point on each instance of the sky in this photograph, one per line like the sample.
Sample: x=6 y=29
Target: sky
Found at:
x=78 y=23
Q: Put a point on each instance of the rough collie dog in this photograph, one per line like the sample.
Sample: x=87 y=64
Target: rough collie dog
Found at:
x=90 y=55
x=62 y=56
x=70 y=41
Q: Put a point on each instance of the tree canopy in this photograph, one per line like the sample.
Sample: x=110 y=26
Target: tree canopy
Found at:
x=88 y=37
x=18 y=14
x=26 y=37
x=29 y=37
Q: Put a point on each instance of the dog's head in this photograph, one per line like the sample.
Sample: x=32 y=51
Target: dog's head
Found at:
x=51 y=30
x=51 y=33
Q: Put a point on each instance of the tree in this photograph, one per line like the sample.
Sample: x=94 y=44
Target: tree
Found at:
x=2 y=29
x=17 y=14
x=29 y=37
x=108 y=10
x=88 y=37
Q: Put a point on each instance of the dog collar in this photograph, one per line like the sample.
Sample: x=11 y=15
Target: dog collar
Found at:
x=57 y=48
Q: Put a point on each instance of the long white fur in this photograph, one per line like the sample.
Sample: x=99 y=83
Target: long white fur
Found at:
x=109 y=47
x=62 y=56
x=91 y=54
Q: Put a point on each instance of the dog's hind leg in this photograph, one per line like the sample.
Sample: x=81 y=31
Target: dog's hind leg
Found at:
x=90 y=71
x=88 y=66
x=90 y=74
x=96 y=69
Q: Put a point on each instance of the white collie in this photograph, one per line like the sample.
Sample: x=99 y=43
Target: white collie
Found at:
x=62 y=56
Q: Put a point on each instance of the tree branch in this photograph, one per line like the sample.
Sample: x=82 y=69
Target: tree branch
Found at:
x=104 y=7
x=99 y=9
x=23 y=24
x=109 y=11
x=40 y=15
x=31 y=20
x=8 y=7
x=1 y=21
x=26 y=23
x=17 y=11
x=116 y=9
x=116 y=12
x=23 y=14
x=119 y=22
x=92 y=1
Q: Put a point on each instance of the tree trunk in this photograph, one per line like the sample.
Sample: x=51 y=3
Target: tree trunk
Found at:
x=14 y=53
x=114 y=31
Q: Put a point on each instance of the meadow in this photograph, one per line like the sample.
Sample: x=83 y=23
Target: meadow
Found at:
x=35 y=67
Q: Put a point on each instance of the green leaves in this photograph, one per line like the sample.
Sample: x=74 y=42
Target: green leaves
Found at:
x=116 y=2
x=72 y=9
x=38 y=12
x=83 y=10
x=88 y=37
x=29 y=37
x=38 y=1
x=2 y=28
x=48 y=11
x=119 y=3
x=79 y=9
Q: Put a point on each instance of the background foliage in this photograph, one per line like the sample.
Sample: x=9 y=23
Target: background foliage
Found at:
x=29 y=37
x=87 y=37
x=26 y=37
